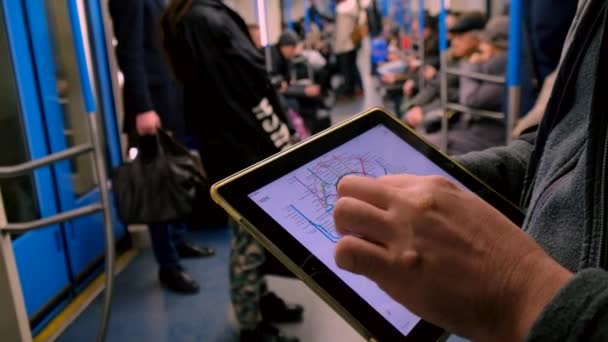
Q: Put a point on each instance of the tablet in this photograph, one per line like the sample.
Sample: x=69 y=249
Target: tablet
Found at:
x=287 y=201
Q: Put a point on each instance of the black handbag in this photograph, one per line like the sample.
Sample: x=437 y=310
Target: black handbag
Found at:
x=165 y=183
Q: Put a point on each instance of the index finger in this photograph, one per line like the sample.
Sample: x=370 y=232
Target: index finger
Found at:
x=399 y=180
x=366 y=189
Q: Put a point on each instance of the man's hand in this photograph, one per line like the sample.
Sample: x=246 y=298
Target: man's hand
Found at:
x=147 y=123
x=312 y=90
x=479 y=58
x=408 y=88
x=445 y=254
x=414 y=117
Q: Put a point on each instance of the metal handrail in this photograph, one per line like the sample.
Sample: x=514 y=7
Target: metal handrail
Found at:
x=477 y=76
x=24 y=168
x=512 y=81
x=476 y=112
x=100 y=165
x=47 y=221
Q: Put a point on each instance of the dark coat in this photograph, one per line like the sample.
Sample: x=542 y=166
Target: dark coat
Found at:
x=149 y=84
x=231 y=107
x=546 y=26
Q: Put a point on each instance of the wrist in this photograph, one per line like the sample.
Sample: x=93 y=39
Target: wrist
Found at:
x=539 y=278
x=551 y=278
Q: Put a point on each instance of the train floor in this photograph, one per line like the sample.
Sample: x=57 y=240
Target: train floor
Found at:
x=143 y=311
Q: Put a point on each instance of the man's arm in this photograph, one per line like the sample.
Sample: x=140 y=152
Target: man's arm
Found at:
x=426 y=95
x=502 y=168
x=480 y=94
x=128 y=22
x=579 y=312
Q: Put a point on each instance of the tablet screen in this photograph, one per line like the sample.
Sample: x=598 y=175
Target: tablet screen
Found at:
x=302 y=202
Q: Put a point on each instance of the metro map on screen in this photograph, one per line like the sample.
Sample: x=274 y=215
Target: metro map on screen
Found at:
x=302 y=202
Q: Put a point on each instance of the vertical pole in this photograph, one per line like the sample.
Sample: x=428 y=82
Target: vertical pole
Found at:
x=421 y=47
x=13 y=316
x=514 y=66
x=443 y=50
x=306 y=16
x=288 y=13
x=100 y=165
x=265 y=35
x=102 y=176
x=384 y=8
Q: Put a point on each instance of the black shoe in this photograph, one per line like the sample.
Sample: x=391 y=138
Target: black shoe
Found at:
x=265 y=332
x=274 y=309
x=176 y=279
x=186 y=250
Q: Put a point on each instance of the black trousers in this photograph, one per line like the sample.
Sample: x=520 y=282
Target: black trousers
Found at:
x=348 y=68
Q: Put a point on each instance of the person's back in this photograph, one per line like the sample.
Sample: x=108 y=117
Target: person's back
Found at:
x=229 y=102
x=152 y=98
x=233 y=112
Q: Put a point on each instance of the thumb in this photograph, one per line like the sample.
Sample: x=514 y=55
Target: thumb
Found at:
x=362 y=257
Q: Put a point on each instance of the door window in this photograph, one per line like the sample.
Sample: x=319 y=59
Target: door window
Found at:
x=20 y=202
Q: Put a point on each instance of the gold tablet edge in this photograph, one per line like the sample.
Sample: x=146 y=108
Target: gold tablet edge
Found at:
x=217 y=198
x=339 y=126
x=272 y=248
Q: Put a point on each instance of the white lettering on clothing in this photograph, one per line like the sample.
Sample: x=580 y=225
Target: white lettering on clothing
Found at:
x=277 y=130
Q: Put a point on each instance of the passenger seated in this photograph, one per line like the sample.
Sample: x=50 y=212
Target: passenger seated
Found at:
x=398 y=68
x=491 y=59
x=405 y=65
x=422 y=108
x=474 y=133
x=304 y=96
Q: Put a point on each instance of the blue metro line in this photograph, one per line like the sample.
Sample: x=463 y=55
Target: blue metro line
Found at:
x=331 y=237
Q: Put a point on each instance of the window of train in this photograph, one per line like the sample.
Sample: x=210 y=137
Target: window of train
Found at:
x=75 y=120
x=18 y=194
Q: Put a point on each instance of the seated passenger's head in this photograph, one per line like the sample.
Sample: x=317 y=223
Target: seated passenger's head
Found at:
x=288 y=44
x=464 y=38
x=495 y=37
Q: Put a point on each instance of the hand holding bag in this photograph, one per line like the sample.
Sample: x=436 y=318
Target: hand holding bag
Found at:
x=165 y=183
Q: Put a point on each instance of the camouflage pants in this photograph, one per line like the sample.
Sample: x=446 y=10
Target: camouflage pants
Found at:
x=247 y=281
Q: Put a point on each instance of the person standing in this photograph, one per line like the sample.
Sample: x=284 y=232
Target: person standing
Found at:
x=350 y=14
x=235 y=115
x=151 y=99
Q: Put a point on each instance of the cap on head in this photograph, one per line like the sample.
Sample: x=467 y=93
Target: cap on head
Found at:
x=469 y=23
x=288 y=38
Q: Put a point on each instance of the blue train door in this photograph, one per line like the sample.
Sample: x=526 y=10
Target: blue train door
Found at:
x=42 y=113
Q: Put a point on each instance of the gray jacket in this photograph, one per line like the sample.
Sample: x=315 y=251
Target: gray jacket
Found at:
x=429 y=96
x=483 y=95
x=559 y=176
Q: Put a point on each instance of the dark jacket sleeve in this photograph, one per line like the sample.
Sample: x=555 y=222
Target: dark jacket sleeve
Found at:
x=549 y=22
x=427 y=94
x=502 y=168
x=579 y=312
x=128 y=21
